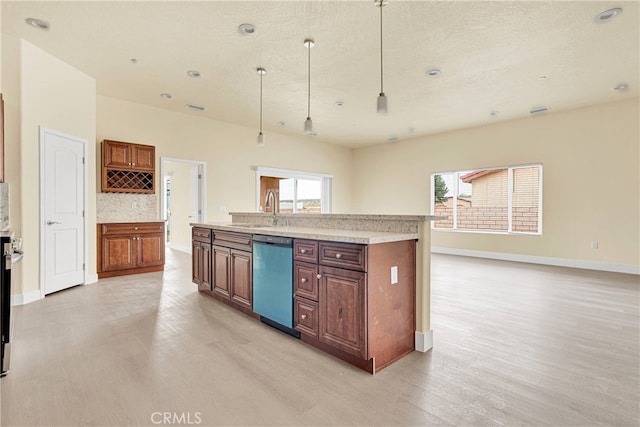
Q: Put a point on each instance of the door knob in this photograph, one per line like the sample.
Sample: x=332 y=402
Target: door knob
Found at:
x=53 y=222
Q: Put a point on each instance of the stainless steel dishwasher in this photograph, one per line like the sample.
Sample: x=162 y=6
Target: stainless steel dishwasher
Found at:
x=273 y=281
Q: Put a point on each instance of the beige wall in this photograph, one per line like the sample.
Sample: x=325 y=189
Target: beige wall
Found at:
x=57 y=96
x=229 y=151
x=180 y=173
x=590 y=160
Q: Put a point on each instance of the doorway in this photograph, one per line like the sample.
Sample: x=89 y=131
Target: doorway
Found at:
x=182 y=199
x=63 y=202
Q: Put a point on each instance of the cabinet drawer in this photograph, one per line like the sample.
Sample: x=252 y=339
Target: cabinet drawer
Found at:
x=343 y=255
x=201 y=234
x=132 y=228
x=228 y=239
x=305 y=280
x=305 y=250
x=305 y=315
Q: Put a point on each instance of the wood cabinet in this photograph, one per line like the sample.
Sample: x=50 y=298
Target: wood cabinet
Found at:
x=231 y=269
x=346 y=304
x=128 y=167
x=201 y=258
x=130 y=248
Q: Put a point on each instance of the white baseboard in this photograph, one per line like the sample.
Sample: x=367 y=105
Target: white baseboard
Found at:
x=91 y=278
x=424 y=341
x=180 y=248
x=533 y=259
x=22 y=299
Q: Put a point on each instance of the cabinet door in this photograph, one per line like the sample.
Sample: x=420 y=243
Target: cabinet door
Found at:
x=196 y=262
x=205 y=262
x=241 y=283
x=150 y=250
x=341 y=302
x=118 y=253
x=143 y=157
x=221 y=273
x=117 y=154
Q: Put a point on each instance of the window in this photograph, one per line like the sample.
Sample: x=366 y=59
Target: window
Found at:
x=296 y=192
x=498 y=200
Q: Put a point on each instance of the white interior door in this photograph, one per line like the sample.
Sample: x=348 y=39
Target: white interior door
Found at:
x=195 y=208
x=63 y=219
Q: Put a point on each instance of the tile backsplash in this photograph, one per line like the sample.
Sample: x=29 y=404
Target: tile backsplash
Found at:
x=123 y=207
x=4 y=206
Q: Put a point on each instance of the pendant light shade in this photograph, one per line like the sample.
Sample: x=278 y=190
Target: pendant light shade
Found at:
x=260 y=139
x=308 y=124
x=382 y=98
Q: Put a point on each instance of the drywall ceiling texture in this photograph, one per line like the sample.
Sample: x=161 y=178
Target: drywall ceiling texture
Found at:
x=492 y=57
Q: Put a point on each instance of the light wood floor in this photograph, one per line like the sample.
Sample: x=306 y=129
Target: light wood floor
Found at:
x=515 y=344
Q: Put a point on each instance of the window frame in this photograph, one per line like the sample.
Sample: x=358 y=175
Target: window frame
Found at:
x=325 y=180
x=454 y=191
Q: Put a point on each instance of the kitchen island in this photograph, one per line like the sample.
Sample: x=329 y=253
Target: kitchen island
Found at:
x=360 y=282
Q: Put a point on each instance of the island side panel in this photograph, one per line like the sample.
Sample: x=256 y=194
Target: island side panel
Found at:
x=391 y=307
x=424 y=334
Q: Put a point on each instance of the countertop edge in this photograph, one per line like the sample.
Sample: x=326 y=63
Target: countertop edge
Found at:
x=332 y=235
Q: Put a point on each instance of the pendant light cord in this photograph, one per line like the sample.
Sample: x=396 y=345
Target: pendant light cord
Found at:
x=309 y=81
x=261 y=75
x=381 y=72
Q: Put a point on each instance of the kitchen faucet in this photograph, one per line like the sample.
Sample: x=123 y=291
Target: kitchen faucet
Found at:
x=271 y=201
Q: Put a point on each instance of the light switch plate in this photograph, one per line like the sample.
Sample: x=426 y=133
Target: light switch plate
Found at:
x=394 y=274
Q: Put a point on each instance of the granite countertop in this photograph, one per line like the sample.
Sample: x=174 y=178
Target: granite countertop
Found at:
x=137 y=221
x=333 y=235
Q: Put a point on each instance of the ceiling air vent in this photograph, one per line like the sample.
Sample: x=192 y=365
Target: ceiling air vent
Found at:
x=538 y=110
x=195 y=107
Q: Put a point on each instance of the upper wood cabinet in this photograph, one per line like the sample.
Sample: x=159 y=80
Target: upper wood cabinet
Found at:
x=127 y=167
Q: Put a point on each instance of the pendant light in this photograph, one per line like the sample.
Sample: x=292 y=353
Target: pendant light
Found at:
x=308 y=124
x=382 y=98
x=260 y=140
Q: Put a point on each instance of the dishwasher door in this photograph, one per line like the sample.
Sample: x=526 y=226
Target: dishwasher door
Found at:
x=273 y=281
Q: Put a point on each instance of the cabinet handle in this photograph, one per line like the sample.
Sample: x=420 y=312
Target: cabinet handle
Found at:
x=319 y=276
x=338 y=256
x=304 y=316
x=303 y=251
x=133 y=164
x=303 y=280
x=135 y=228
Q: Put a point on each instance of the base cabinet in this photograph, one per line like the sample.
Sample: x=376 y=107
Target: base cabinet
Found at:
x=350 y=308
x=130 y=248
x=201 y=258
x=232 y=269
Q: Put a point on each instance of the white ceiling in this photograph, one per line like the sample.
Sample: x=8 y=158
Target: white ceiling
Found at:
x=492 y=55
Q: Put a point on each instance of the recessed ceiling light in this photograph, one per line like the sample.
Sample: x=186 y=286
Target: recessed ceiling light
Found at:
x=195 y=107
x=38 y=23
x=621 y=87
x=494 y=113
x=542 y=77
x=411 y=130
x=339 y=103
x=281 y=124
x=166 y=95
x=538 y=110
x=133 y=61
x=392 y=138
x=434 y=72
x=607 y=15
x=193 y=73
x=247 y=28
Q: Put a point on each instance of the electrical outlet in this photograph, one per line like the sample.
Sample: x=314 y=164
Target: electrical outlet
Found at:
x=594 y=245
x=134 y=205
x=394 y=274
x=222 y=208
